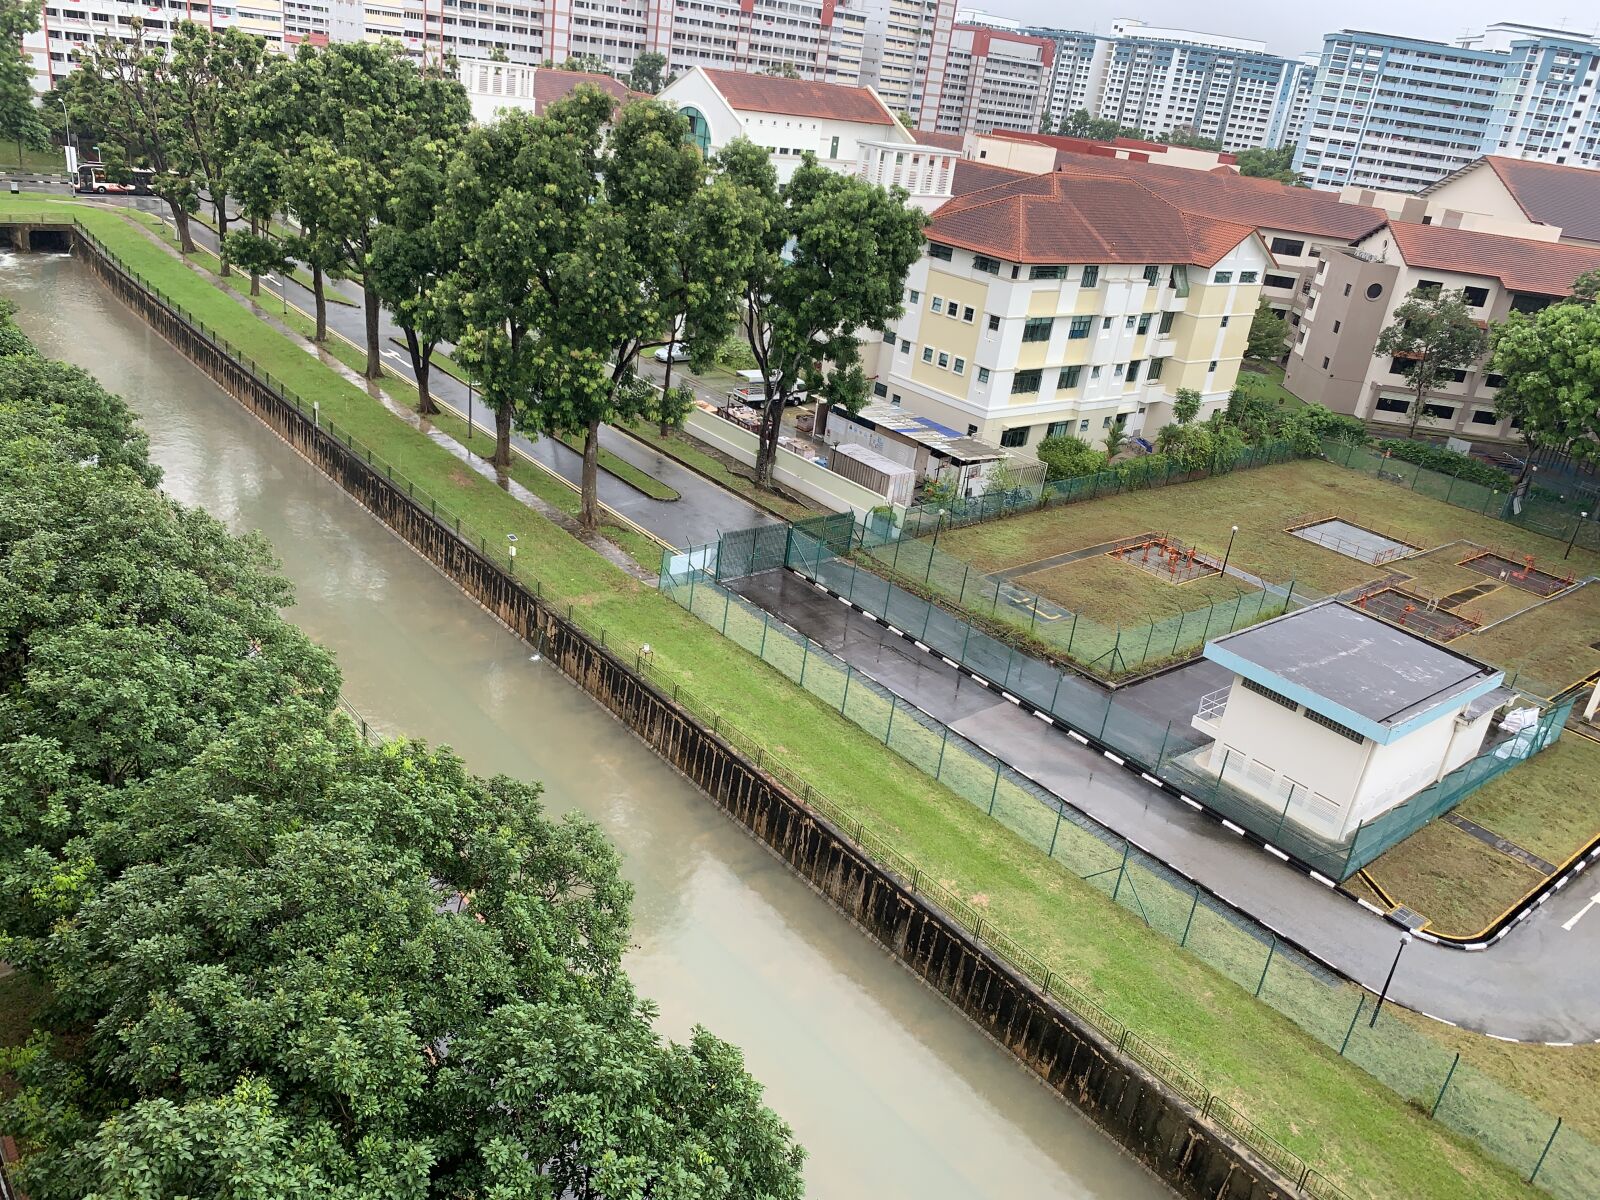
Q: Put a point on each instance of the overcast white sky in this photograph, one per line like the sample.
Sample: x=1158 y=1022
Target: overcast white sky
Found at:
x=1294 y=28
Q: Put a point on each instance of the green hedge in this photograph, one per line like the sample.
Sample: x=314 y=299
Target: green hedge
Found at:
x=1446 y=462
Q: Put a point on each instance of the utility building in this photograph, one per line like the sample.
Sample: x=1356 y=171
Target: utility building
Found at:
x=1334 y=717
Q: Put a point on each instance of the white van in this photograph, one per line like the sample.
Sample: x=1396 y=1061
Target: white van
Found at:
x=756 y=390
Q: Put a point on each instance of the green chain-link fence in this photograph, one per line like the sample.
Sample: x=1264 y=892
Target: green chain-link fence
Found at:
x=1314 y=997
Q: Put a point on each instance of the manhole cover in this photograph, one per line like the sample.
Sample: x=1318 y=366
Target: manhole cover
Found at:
x=1408 y=917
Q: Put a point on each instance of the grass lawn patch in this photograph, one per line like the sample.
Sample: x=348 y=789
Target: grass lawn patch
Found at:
x=53 y=160
x=1455 y=880
x=1109 y=590
x=1266 y=381
x=1550 y=804
x=1356 y=1130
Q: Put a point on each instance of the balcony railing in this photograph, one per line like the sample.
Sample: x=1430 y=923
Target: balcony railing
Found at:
x=1212 y=706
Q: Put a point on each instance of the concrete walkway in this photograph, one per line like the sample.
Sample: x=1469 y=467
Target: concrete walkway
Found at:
x=1536 y=985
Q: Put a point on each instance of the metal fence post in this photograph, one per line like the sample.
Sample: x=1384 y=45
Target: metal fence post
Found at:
x=1449 y=1075
x=727 y=603
x=994 y=792
x=1184 y=941
x=1361 y=1002
x=1121 y=870
x=943 y=742
x=1057 y=693
x=1538 y=1165
x=1271 y=950
x=762 y=653
x=889 y=733
x=805 y=657
x=849 y=671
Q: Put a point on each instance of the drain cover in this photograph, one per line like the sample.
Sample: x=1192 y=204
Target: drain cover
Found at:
x=1408 y=917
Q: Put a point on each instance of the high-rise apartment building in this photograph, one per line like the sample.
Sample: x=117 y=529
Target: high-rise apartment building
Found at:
x=993 y=79
x=1396 y=114
x=907 y=50
x=1158 y=79
x=66 y=25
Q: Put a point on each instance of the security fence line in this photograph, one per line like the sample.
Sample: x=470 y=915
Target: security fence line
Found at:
x=1136 y=474
x=1310 y=994
x=1555 y=517
x=1105 y=650
x=1166 y=751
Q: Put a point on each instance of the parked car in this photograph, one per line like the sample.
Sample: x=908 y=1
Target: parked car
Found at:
x=676 y=351
x=756 y=391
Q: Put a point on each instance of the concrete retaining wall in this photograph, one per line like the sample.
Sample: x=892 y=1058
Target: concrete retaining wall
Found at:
x=1182 y=1144
x=798 y=474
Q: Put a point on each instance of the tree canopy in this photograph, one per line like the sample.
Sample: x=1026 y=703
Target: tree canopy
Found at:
x=826 y=259
x=20 y=120
x=1432 y=336
x=1080 y=123
x=1550 y=364
x=1262 y=163
x=1269 y=335
x=281 y=960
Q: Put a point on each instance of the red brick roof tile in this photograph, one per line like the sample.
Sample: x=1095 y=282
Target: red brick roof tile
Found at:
x=550 y=85
x=1066 y=219
x=1259 y=203
x=1522 y=265
x=800 y=97
x=1553 y=194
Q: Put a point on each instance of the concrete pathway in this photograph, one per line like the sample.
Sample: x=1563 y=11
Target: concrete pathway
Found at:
x=1537 y=985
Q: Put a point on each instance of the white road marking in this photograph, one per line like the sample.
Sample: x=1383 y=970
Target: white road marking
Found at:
x=1578 y=916
x=391 y=354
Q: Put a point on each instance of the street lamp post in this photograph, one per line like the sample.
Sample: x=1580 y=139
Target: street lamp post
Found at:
x=1405 y=940
x=1582 y=517
x=1228 y=553
x=67 y=117
x=511 y=541
x=469 y=410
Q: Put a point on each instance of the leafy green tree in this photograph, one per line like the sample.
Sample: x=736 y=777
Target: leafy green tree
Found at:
x=1269 y=333
x=489 y=301
x=126 y=88
x=648 y=69
x=1432 y=336
x=1188 y=135
x=591 y=64
x=1262 y=163
x=369 y=111
x=829 y=261
x=1186 y=406
x=1080 y=123
x=284 y=961
x=1066 y=457
x=412 y=255
x=20 y=120
x=602 y=237
x=212 y=73
x=1550 y=361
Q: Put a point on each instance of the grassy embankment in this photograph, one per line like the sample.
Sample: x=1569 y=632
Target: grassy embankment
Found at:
x=1354 y=1129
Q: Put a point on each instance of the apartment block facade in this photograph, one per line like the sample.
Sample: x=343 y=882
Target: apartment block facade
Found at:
x=1023 y=321
x=1398 y=114
x=1156 y=79
x=1358 y=288
x=993 y=79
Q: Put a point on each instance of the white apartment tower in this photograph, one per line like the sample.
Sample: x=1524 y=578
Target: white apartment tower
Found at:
x=1398 y=114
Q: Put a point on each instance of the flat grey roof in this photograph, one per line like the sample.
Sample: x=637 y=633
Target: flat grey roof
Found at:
x=1352 y=659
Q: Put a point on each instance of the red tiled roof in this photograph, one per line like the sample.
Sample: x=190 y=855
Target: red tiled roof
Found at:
x=800 y=97
x=1544 y=268
x=1064 y=219
x=1552 y=194
x=943 y=141
x=971 y=176
x=1225 y=196
x=550 y=85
